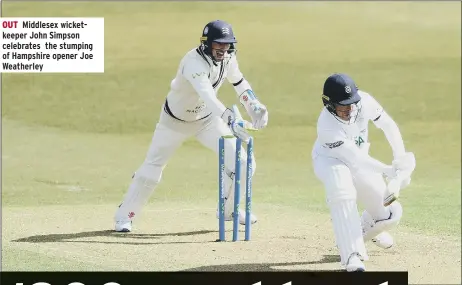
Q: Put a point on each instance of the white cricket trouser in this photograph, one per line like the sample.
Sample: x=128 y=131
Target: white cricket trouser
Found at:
x=343 y=189
x=169 y=134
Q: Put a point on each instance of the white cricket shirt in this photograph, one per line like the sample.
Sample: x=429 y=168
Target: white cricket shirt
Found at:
x=193 y=92
x=338 y=140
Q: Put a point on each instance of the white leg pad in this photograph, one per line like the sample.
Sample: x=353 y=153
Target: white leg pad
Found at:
x=347 y=229
x=143 y=184
x=229 y=184
x=229 y=194
x=372 y=228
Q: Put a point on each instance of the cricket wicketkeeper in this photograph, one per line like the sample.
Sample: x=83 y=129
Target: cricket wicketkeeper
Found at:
x=192 y=109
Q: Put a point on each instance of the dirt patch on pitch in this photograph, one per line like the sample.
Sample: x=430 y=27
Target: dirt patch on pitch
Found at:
x=175 y=237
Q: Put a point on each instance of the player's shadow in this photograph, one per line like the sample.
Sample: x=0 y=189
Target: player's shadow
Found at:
x=73 y=237
x=268 y=266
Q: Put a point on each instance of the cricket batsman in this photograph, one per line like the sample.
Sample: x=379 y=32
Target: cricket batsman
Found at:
x=342 y=163
x=192 y=109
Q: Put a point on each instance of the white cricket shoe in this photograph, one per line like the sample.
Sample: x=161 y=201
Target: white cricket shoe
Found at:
x=123 y=226
x=253 y=218
x=355 y=264
x=383 y=240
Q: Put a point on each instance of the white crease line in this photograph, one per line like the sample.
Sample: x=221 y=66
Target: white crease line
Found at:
x=180 y=210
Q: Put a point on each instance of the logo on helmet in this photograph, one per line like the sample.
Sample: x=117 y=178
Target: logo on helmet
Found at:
x=348 y=89
x=206 y=30
x=225 y=31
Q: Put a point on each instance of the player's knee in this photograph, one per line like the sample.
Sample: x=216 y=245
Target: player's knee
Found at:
x=338 y=195
x=150 y=173
x=377 y=227
x=392 y=213
x=338 y=184
x=336 y=192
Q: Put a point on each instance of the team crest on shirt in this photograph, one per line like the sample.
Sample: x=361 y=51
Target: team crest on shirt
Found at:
x=359 y=140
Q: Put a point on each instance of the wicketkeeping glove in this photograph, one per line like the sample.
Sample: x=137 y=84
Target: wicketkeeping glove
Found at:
x=259 y=114
x=237 y=124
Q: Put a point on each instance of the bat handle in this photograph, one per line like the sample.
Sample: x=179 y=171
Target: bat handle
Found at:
x=394 y=187
x=390 y=199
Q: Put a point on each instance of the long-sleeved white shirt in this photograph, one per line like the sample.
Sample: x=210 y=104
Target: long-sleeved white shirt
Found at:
x=338 y=140
x=193 y=92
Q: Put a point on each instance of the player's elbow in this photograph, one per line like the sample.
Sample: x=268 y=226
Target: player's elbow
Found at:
x=385 y=122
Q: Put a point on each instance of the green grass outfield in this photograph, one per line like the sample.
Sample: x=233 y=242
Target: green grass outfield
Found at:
x=72 y=141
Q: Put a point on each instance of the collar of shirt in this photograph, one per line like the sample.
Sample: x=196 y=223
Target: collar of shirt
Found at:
x=207 y=58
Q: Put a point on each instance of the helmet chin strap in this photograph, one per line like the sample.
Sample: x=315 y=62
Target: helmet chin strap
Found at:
x=349 y=122
x=209 y=53
x=353 y=115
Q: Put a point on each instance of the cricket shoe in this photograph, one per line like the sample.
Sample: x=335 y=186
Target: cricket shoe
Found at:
x=354 y=264
x=383 y=240
x=123 y=226
x=253 y=218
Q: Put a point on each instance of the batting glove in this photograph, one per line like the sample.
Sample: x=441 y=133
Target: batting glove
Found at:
x=406 y=164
